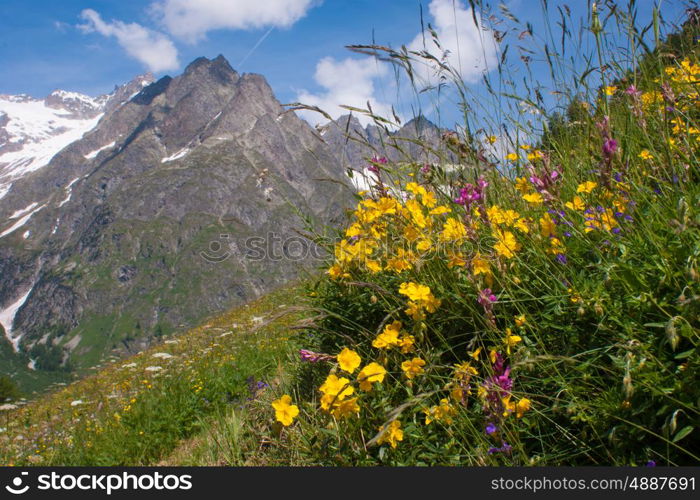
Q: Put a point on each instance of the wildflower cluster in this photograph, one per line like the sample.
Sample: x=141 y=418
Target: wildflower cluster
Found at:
x=504 y=296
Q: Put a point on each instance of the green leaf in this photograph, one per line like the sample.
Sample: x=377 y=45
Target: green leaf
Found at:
x=683 y=433
x=684 y=354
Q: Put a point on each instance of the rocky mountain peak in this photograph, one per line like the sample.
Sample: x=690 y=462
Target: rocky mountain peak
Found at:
x=79 y=106
x=217 y=68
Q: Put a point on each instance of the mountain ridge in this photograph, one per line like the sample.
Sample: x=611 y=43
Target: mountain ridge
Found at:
x=110 y=251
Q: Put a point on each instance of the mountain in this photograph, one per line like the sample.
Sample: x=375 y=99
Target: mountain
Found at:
x=354 y=144
x=176 y=201
x=33 y=130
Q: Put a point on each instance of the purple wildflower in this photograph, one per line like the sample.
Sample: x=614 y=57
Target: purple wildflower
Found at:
x=472 y=193
x=505 y=449
x=562 y=258
x=632 y=91
x=609 y=147
x=255 y=387
x=486 y=297
x=491 y=428
x=375 y=162
x=313 y=357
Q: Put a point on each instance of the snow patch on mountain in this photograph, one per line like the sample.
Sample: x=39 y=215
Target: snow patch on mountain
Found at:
x=7 y=318
x=21 y=222
x=36 y=130
x=93 y=154
x=69 y=192
x=176 y=156
x=21 y=212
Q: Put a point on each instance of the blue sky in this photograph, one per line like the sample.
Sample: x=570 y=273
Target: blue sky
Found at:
x=90 y=45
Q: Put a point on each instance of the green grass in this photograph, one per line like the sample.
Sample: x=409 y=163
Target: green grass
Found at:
x=128 y=415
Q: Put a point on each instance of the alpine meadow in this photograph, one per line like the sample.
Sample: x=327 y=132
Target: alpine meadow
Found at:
x=506 y=274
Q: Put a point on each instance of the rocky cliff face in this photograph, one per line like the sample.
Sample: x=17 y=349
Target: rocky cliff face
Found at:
x=179 y=202
x=354 y=144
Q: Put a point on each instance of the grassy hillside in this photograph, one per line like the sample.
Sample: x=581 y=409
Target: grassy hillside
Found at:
x=136 y=410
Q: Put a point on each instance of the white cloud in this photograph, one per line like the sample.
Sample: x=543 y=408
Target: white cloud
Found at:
x=471 y=48
x=192 y=19
x=155 y=50
x=350 y=82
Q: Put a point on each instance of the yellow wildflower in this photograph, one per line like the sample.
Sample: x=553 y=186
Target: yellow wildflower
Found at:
x=415 y=311
x=413 y=367
x=398 y=265
x=416 y=189
x=586 y=187
x=453 y=230
x=335 y=271
x=429 y=200
x=511 y=340
x=547 y=226
x=389 y=337
x=415 y=292
x=523 y=185
x=646 y=155
x=440 y=210
x=416 y=213
x=349 y=360
x=337 y=387
x=522 y=406
x=373 y=372
x=373 y=266
x=456 y=260
x=441 y=413
x=506 y=245
x=534 y=198
x=285 y=412
x=576 y=204
x=406 y=343
x=480 y=266
x=411 y=233
x=345 y=408
x=521 y=225
x=391 y=434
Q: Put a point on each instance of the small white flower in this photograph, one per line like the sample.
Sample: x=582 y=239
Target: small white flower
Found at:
x=162 y=355
x=153 y=368
x=77 y=402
